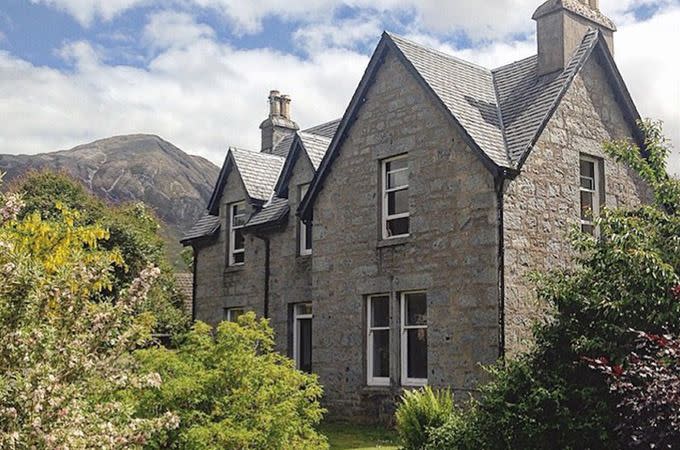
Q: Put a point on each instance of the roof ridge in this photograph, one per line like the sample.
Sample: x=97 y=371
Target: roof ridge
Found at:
x=255 y=152
x=306 y=130
x=442 y=53
x=504 y=66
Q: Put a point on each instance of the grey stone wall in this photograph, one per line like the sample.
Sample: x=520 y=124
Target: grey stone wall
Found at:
x=291 y=280
x=542 y=203
x=451 y=252
x=220 y=286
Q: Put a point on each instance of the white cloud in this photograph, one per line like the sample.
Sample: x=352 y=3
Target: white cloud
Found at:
x=203 y=94
x=646 y=53
x=339 y=34
x=174 y=29
x=86 y=11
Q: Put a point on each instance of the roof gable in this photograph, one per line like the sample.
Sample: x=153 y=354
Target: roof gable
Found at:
x=500 y=113
x=258 y=172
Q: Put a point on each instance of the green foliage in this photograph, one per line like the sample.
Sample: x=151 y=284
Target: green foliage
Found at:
x=622 y=280
x=63 y=356
x=232 y=391
x=132 y=231
x=419 y=412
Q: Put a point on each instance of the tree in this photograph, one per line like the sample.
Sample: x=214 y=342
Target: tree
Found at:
x=624 y=279
x=132 y=230
x=64 y=358
x=232 y=391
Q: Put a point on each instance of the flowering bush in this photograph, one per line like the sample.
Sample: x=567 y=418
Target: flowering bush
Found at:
x=65 y=358
x=647 y=388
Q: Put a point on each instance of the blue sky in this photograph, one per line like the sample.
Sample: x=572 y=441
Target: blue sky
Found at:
x=197 y=72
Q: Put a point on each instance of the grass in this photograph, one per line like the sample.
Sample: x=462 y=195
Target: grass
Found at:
x=344 y=436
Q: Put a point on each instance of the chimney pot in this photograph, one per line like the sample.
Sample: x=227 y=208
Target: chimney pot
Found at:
x=285 y=106
x=274 y=104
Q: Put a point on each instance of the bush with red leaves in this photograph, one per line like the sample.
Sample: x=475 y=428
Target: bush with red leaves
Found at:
x=647 y=386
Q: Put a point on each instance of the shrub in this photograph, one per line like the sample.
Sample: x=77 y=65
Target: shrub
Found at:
x=420 y=411
x=647 y=389
x=232 y=391
x=64 y=357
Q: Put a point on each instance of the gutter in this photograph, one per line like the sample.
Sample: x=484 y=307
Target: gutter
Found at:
x=267 y=275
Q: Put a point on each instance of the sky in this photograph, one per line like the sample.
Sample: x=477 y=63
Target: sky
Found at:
x=198 y=72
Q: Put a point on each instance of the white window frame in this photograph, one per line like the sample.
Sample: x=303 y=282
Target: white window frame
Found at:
x=304 y=251
x=385 y=191
x=232 y=234
x=370 y=379
x=230 y=313
x=405 y=380
x=595 y=192
x=296 y=330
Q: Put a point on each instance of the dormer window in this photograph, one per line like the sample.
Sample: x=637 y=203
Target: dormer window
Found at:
x=305 y=229
x=237 y=219
x=590 y=169
x=395 y=211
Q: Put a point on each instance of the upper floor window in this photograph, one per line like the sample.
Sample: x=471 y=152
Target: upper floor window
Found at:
x=590 y=193
x=305 y=229
x=237 y=219
x=395 y=213
x=413 y=338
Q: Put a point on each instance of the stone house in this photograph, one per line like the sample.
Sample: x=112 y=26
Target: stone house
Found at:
x=390 y=248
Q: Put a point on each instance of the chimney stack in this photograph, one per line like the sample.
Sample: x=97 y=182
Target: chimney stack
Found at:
x=279 y=123
x=561 y=26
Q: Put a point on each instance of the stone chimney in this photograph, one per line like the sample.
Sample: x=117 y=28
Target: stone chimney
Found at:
x=279 y=124
x=562 y=24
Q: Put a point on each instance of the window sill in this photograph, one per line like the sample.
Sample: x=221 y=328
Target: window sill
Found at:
x=394 y=241
x=236 y=268
x=377 y=387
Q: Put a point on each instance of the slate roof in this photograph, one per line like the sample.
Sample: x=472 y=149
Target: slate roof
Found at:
x=274 y=211
x=259 y=171
x=527 y=102
x=315 y=146
x=502 y=109
x=326 y=130
x=185 y=285
x=467 y=91
x=204 y=227
x=283 y=148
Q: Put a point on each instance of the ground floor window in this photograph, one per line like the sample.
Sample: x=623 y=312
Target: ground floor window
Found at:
x=378 y=339
x=302 y=336
x=414 y=338
x=232 y=314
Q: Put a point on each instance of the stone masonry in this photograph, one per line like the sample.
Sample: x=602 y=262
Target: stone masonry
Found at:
x=493 y=192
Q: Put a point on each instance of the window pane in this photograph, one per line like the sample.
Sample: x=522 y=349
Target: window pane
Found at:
x=397 y=202
x=416 y=309
x=397 y=227
x=397 y=179
x=588 y=183
x=396 y=164
x=304 y=309
x=234 y=313
x=239 y=258
x=381 y=353
x=239 y=240
x=380 y=311
x=590 y=229
x=305 y=345
x=586 y=205
x=417 y=353
x=587 y=169
x=308 y=236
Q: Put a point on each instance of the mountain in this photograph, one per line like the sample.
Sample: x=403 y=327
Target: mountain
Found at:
x=139 y=167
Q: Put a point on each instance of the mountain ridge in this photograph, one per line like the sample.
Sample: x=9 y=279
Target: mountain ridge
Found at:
x=129 y=168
